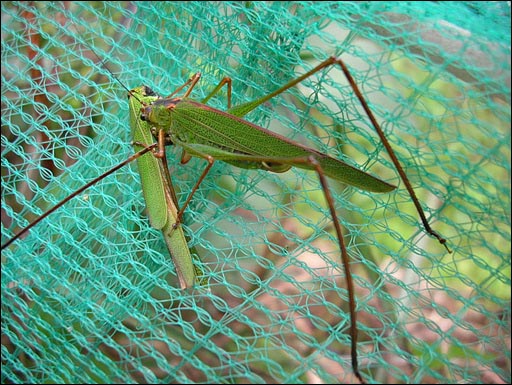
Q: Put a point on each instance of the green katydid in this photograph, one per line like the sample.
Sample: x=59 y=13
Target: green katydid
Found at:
x=212 y=134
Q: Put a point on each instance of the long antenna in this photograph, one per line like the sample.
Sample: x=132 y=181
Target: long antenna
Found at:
x=80 y=190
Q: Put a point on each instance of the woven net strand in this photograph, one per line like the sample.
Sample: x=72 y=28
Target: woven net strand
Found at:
x=90 y=294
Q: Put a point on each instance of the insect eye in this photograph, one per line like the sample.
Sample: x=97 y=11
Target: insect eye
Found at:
x=148 y=91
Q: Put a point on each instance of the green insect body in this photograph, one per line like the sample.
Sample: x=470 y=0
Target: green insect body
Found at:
x=159 y=195
x=205 y=131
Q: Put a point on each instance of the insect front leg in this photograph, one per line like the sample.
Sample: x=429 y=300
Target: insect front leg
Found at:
x=226 y=81
x=192 y=81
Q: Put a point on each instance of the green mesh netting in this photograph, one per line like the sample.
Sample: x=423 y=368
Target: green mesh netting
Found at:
x=90 y=295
